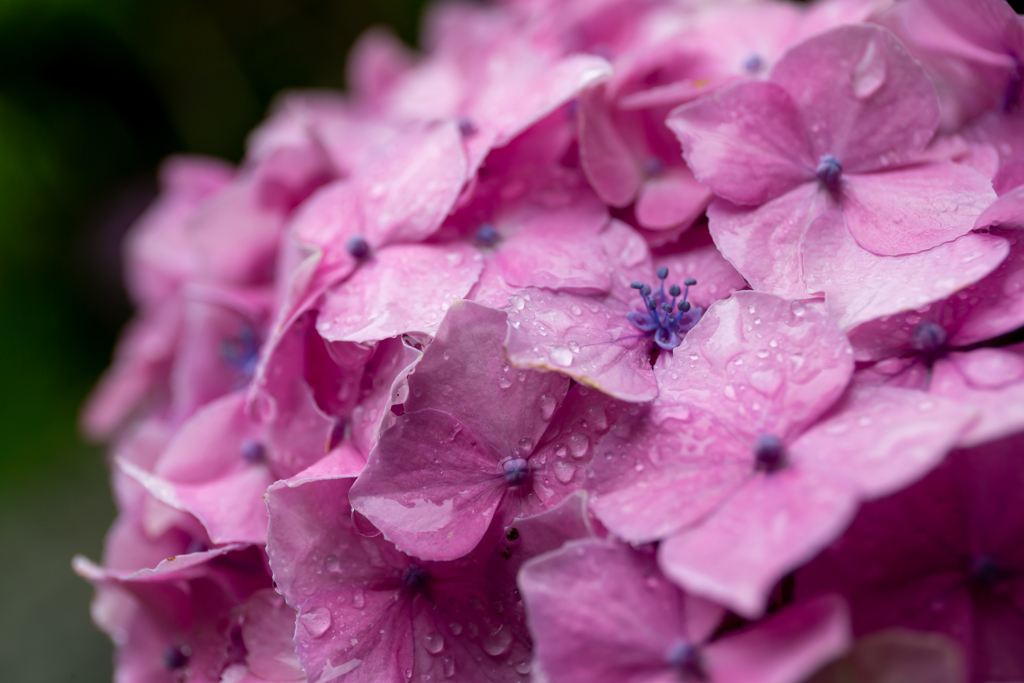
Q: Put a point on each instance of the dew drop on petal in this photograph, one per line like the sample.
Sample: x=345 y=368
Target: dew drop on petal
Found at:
x=561 y=356
x=316 y=622
x=523 y=668
x=498 y=641
x=547 y=406
x=564 y=471
x=332 y=563
x=434 y=643
x=578 y=445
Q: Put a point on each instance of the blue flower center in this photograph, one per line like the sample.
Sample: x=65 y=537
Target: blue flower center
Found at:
x=242 y=353
x=653 y=167
x=415 y=577
x=829 y=170
x=927 y=337
x=985 y=572
x=686 y=660
x=176 y=657
x=253 y=451
x=516 y=471
x=769 y=453
x=667 y=319
x=753 y=64
x=487 y=235
x=357 y=247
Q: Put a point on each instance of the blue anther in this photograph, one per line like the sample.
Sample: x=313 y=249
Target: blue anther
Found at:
x=667 y=319
x=487 y=235
x=415 y=577
x=769 y=453
x=753 y=64
x=829 y=170
x=516 y=471
x=927 y=337
x=466 y=126
x=176 y=657
x=253 y=451
x=357 y=247
x=689 y=282
x=653 y=167
x=686 y=660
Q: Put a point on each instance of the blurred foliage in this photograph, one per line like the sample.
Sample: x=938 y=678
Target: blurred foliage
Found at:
x=93 y=94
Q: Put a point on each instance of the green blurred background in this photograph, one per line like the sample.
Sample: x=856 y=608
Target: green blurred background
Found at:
x=93 y=93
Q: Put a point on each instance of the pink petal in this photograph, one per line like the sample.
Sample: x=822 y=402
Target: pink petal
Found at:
x=989 y=380
x=746 y=142
x=695 y=255
x=601 y=611
x=586 y=338
x=882 y=440
x=898 y=655
x=763 y=243
x=860 y=286
x=464 y=373
x=769 y=527
x=607 y=160
x=400 y=289
x=431 y=485
x=267 y=631
x=865 y=100
x=786 y=647
x=761 y=364
x=672 y=198
x=915 y=208
x=656 y=474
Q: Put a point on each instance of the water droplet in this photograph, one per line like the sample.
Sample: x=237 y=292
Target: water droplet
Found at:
x=332 y=563
x=573 y=346
x=358 y=599
x=598 y=417
x=578 y=445
x=576 y=310
x=561 y=356
x=525 y=446
x=564 y=471
x=504 y=382
x=498 y=641
x=547 y=406
x=560 y=450
x=434 y=643
x=317 y=621
x=449 y=666
x=455 y=627
x=523 y=668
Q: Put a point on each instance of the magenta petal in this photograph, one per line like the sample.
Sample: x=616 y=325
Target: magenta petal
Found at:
x=882 y=440
x=763 y=243
x=772 y=525
x=670 y=199
x=586 y=338
x=431 y=486
x=464 y=373
x=267 y=632
x=860 y=286
x=786 y=647
x=208 y=445
x=746 y=142
x=607 y=160
x=865 y=100
x=601 y=612
x=695 y=255
x=400 y=289
x=897 y=655
x=761 y=364
x=914 y=208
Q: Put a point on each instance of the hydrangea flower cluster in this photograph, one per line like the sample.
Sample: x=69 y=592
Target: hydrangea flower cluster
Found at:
x=392 y=409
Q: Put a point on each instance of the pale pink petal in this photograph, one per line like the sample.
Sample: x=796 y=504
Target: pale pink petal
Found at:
x=914 y=208
x=267 y=632
x=670 y=199
x=431 y=486
x=695 y=255
x=786 y=647
x=761 y=364
x=860 y=286
x=763 y=243
x=400 y=289
x=746 y=142
x=865 y=100
x=589 y=339
x=607 y=160
x=882 y=440
x=376 y=61
x=990 y=380
x=772 y=525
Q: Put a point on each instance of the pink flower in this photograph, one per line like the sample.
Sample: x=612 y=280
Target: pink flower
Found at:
x=603 y=612
x=944 y=555
x=837 y=125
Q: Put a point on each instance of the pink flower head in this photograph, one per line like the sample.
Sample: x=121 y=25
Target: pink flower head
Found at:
x=602 y=612
x=476 y=441
x=752 y=458
x=943 y=555
x=837 y=125
x=368 y=612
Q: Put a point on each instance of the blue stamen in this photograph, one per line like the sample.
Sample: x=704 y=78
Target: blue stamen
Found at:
x=466 y=126
x=252 y=451
x=829 y=170
x=769 y=453
x=668 y=320
x=176 y=657
x=357 y=247
x=927 y=337
x=516 y=471
x=686 y=660
x=487 y=235
x=653 y=167
x=753 y=64
x=415 y=577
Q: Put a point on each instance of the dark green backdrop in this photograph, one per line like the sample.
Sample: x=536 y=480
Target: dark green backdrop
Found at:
x=93 y=93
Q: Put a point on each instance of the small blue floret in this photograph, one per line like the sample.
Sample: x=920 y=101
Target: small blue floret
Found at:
x=357 y=247
x=664 y=317
x=829 y=170
x=487 y=235
x=927 y=337
x=415 y=577
x=516 y=471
